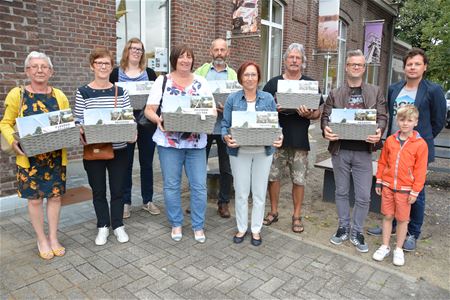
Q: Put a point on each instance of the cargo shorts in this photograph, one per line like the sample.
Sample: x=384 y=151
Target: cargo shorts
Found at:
x=295 y=159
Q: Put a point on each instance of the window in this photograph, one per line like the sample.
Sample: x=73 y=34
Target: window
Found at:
x=336 y=64
x=272 y=13
x=147 y=20
x=372 y=73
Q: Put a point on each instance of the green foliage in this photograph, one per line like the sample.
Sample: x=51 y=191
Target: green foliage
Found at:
x=425 y=24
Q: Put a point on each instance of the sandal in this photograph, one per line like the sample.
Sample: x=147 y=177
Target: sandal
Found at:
x=268 y=221
x=297 y=228
x=45 y=255
x=59 y=252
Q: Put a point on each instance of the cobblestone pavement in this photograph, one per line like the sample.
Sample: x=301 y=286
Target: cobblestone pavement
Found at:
x=152 y=266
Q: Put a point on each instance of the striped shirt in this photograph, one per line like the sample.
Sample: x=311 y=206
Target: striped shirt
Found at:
x=89 y=98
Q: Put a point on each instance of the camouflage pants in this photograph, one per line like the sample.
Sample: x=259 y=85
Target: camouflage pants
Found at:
x=296 y=160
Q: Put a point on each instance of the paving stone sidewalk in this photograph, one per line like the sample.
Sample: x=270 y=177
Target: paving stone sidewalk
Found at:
x=152 y=266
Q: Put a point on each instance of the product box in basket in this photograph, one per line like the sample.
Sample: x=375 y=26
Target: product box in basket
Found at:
x=42 y=133
x=255 y=128
x=353 y=124
x=293 y=93
x=138 y=92
x=109 y=125
x=222 y=88
x=44 y=123
x=189 y=113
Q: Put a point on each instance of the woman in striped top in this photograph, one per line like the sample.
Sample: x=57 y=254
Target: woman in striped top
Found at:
x=100 y=93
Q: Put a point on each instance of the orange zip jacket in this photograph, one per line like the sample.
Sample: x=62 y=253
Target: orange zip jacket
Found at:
x=403 y=168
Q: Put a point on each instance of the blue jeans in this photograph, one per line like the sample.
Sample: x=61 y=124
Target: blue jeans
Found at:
x=172 y=161
x=417 y=214
x=226 y=177
x=146 y=148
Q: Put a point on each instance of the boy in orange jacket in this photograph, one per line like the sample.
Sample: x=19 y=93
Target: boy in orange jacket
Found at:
x=401 y=172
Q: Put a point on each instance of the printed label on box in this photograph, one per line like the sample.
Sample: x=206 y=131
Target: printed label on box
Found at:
x=298 y=86
x=254 y=119
x=353 y=116
x=136 y=87
x=100 y=116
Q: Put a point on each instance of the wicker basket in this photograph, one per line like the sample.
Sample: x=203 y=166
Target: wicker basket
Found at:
x=37 y=144
x=293 y=101
x=138 y=101
x=255 y=136
x=183 y=122
x=110 y=133
x=221 y=97
x=349 y=131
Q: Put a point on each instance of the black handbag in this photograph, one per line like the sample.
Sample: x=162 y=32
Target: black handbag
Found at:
x=142 y=119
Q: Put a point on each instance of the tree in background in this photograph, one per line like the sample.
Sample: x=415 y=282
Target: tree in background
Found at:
x=425 y=24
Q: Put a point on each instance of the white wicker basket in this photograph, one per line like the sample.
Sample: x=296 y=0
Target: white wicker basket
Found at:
x=138 y=101
x=221 y=97
x=255 y=136
x=294 y=100
x=350 y=131
x=46 y=142
x=183 y=122
x=110 y=133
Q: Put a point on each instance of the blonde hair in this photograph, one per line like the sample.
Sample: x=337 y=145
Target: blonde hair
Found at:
x=408 y=111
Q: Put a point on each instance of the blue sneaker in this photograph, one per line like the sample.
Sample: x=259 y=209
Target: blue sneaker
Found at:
x=410 y=243
x=378 y=231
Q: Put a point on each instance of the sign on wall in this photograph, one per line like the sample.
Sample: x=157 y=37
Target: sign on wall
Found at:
x=328 y=26
x=245 y=15
x=373 y=32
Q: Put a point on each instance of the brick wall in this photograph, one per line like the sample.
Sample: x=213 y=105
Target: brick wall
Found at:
x=68 y=30
x=64 y=30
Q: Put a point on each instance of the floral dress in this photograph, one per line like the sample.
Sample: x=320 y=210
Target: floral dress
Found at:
x=46 y=176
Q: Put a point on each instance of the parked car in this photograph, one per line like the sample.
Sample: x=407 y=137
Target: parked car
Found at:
x=447 y=97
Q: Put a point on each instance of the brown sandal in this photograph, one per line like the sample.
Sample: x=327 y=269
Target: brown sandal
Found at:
x=297 y=228
x=268 y=221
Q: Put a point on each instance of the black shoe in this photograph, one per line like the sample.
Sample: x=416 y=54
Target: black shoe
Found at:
x=256 y=242
x=239 y=239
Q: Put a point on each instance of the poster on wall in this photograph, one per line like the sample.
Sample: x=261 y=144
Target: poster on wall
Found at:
x=245 y=14
x=328 y=26
x=373 y=32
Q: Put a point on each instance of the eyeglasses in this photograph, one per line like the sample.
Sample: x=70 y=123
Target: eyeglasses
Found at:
x=138 y=50
x=102 y=64
x=356 y=65
x=37 y=67
x=250 y=75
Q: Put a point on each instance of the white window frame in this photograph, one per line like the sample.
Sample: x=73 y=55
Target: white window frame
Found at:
x=271 y=25
x=341 y=53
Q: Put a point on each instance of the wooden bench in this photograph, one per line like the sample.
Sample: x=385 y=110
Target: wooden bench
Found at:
x=329 y=186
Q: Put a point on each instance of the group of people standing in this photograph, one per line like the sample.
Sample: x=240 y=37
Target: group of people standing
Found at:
x=249 y=169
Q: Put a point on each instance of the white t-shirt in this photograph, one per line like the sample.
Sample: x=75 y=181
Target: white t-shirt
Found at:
x=404 y=97
x=179 y=140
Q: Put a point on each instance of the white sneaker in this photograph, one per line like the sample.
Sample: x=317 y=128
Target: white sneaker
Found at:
x=121 y=235
x=102 y=236
x=399 y=257
x=151 y=208
x=126 y=211
x=381 y=253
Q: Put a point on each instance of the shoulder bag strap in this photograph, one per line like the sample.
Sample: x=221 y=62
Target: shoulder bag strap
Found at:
x=163 y=88
x=115 y=95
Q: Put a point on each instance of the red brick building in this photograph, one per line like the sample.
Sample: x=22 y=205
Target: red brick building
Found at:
x=67 y=30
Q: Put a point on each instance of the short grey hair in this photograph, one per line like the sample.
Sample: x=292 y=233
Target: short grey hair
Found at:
x=353 y=53
x=300 y=48
x=39 y=55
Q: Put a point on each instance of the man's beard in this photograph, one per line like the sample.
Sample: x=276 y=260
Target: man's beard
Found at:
x=219 y=61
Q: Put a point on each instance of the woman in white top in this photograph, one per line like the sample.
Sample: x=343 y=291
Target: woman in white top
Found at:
x=178 y=149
